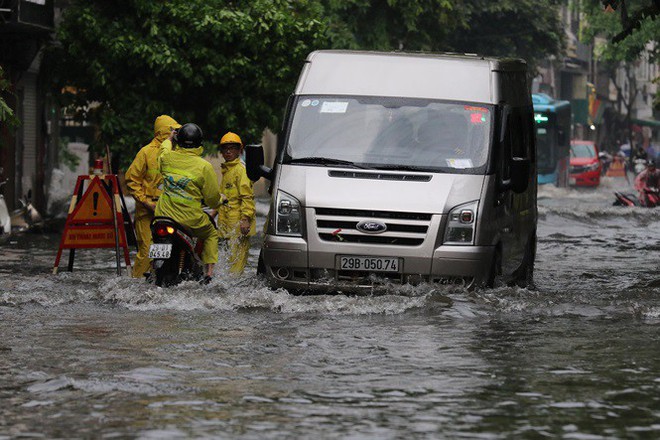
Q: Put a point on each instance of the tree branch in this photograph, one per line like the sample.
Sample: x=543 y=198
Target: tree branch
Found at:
x=630 y=24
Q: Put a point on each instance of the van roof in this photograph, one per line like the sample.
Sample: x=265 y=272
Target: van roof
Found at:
x=460 y=77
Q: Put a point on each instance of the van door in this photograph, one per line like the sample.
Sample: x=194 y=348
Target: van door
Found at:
x=516 y=211
x=522 y=204
x=504 y=202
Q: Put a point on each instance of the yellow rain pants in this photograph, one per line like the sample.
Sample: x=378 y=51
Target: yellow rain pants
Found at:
x=238 y=189
x=187 y=180
x=143 y=178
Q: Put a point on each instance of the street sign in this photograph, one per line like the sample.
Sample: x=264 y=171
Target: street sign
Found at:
x=96 y=219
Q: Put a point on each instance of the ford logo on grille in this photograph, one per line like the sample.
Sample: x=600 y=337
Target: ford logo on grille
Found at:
x=371 y=227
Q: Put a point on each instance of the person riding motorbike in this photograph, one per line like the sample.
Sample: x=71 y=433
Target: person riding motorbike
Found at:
x=647 y=182
x=143 y=179
x=236 y=221
x=189 y=181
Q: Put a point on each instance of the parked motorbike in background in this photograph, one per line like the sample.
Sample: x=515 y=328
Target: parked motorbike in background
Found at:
x=5 y=219
x=639 y=165
x=175 y=253
x=605 y=160
x=26 y=218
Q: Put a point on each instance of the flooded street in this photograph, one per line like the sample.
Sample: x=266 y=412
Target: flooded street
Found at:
x=87 y=354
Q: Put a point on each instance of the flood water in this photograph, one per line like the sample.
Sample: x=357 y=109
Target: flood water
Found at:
x=88 y=354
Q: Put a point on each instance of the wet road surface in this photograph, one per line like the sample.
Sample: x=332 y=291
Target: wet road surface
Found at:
x=88 y=354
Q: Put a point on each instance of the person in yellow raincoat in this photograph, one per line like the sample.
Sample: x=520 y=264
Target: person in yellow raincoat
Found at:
x=143 y=178
x=236 y=220
x=188 y=180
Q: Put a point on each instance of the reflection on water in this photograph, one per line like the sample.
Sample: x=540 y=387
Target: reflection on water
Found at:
x=95 y=355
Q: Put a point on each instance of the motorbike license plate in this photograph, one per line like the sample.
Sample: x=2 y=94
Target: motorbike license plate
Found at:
x=160 y=251
x=369 y=264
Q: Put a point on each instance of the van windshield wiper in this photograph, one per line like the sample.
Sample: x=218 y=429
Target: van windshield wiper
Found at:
x=400 y=168
x=326 y=161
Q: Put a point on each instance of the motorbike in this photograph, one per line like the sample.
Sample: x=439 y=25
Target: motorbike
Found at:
x=605 y=160
x=175 y=253
x=650 y=199
x=26 y=218
x=639 y=165
x=5 y=219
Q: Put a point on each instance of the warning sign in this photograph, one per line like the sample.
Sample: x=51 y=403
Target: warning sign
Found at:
x=95 y=205
x=96 y=219
x=92 y=237
x=617 y=168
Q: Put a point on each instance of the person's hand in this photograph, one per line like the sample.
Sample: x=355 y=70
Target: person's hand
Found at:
x=151 y=206
x=245 y=226
x=213 y=213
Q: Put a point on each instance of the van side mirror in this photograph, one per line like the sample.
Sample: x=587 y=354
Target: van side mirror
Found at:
x=254 y=163
x=520 y=168
x=561 y=137
x=519 y=180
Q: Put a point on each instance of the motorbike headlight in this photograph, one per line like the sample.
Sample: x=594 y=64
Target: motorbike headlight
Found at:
x=461 y=224
x=288 y=215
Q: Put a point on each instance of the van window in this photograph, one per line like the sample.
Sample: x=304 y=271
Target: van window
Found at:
x=387 y=133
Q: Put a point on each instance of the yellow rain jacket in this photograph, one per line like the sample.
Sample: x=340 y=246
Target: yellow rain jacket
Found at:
x=143 y=178
x=237 y=187
x=187 y=180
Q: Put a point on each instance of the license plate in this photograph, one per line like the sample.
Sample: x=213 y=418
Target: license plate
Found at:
x=369 y=264
x=160 y=251
x=571 y=180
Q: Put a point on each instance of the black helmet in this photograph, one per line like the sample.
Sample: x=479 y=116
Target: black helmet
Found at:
x=650 y=163
x=189 y=136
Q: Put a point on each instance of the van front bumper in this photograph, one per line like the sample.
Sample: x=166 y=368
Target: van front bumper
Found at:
x=288 y=263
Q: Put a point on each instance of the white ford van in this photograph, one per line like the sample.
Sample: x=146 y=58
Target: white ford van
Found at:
x=404 y=168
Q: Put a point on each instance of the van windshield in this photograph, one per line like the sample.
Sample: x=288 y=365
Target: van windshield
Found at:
x=390 y=133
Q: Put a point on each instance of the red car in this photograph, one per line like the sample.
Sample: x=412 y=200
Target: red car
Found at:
x=585 y=167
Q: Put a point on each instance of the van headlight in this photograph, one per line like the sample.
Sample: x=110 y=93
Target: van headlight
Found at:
x=288 y=216
x=461 y=224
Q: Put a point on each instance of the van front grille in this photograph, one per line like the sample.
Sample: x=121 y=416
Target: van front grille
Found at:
x=337 y=212
x=380 y=176
x=403 y=228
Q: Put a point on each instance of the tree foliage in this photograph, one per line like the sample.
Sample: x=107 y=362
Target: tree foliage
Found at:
x=526 y=29
x=506 y=28
x=391 y=24
x=608 y=25
x=225 y=66
x=7 y=115
x=625 y=52
x=231 y=65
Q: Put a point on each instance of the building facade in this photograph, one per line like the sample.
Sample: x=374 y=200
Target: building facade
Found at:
x=28 y=151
